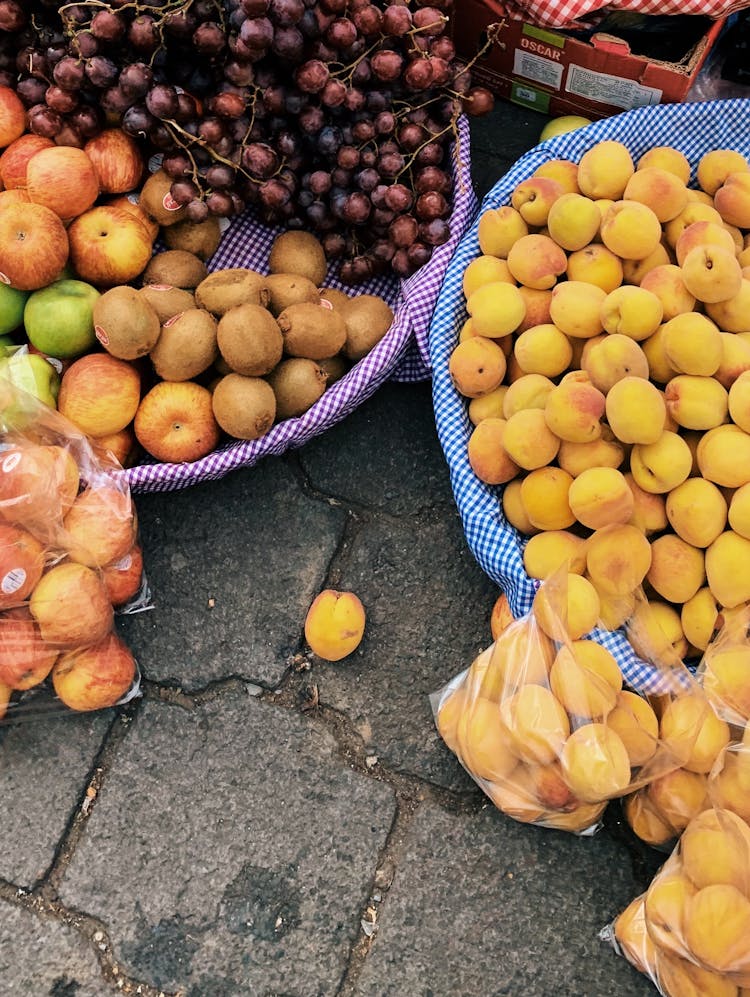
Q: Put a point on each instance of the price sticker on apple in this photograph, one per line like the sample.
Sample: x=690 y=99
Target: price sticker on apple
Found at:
x=13 y=581
x=11 y=462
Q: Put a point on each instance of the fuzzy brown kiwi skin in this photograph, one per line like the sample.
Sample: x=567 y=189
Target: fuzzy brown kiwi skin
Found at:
x=155 y=195
x=250 y=340
x=167 y=301
x=200 y=238
x=368 y=318
x=244 y=407
x=297 y=384
x=299 y=253
x=311 y=331
x=125 y=323
x=225 y=289
x=177 y=268
x=186 y=347
x=290 y=289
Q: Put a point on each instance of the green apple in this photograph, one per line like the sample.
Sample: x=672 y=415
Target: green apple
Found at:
x=59 y=318
x=7 y=346
x=565 y=123
x=34 y=374
x=12 y=304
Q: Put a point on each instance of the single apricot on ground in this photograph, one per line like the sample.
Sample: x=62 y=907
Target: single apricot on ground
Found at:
x=335 y=624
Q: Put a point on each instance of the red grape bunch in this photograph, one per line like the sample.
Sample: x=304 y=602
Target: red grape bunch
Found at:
x=334 y=116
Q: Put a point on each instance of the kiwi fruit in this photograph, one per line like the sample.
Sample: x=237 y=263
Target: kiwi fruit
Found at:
x=334 y=368
x=297 y=384
x=186 y=347
x=289 y=289
x=298 y=253
x=336 y=298
x=200 y=238
x=157 y=201
x=250 y=340
x=167 y=301
x=225 y=289
x=176 y=268
x=244 y=407
x=311 y=331
x=367 y=318
x=125 y=323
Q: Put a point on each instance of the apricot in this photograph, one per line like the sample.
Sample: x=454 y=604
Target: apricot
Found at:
x=739 y=511
x=692 y=731
x=664 y=157
x=692 y=344
x=635 y=722
x=630 y=230
x=679 y=796
x=536 y=723
x=698 y=617
x=573 y=221
x=694 y=211
x=635 y=411
x=496 y=309
x=548 y=551
x=604 y=170
x=715 y=166
x=578 y=457
x=514 y=511
x=612 y=358
x=717 y=928
x=501 y=616
x=677 y=569
x=582 y=817
x=659 y=189
x=697 y=512
x=537 y=304
x=529 y=391
x=569 y=611
x=600 y=497
x=632 y=937
x=522 y=655
x=575 y=308
x=655 y=631
x=645 y=822
x=544 y=493
x=739 y=402
x=515 y=798
x=489 y=406
x=703 y=234
x=487 y=455
x=476 y=367
x=732 y=199
x=595 y=264
x=71 y=606
x=725 y=681
x=581 y=691
x=730 y=787
x=549 y=787
x=528 y=441
x=498 y=229
x=617 y=559
x=562 y=170
x=665 y=909
x=724 y=456
x=595 y=763
x=450 y=710
x=684 y=977
x=649 y=510
x=533 y=198
x=667 y=284
x=634 y=271
x=537 y=261
x=712 y=273
x=715 y=850
x=732 y=315
x=543 y=349
x=661 y=466
x=482 y=743
x=614 y=610
x=574 y=409
x=659 y=367
x=335 y=624
x=485 y=270
x=696 y=402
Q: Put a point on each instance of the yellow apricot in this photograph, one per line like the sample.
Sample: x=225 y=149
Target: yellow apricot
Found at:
x=335 y=624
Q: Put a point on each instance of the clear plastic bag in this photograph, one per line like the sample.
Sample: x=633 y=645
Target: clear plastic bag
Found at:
x=690 y=931
x=542 y=722
x=69 y=560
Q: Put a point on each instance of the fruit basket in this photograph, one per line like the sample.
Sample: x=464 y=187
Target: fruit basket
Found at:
x=694 y=129
x=402 y=354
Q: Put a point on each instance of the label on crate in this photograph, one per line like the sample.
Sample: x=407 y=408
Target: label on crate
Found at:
x=537 y=68
x=12 y=581
x=528 y=96
x=613 y=90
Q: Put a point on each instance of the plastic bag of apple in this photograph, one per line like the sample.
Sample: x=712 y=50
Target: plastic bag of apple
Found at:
x=544 y=723
x=690 y=931
x=69 y=560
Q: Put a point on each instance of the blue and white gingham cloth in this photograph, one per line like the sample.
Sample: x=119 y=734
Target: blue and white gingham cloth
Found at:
x=694 y=129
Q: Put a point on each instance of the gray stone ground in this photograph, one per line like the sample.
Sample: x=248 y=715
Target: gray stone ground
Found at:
x=266 y=824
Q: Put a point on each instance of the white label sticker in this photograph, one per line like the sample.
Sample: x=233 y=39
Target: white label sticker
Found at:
x=534 y=67
x=11 y=462
x=325 y=303
x=169 y=202
x=613 y=90
x=159 y=287
x=101 y=335
x=172 y=320
x=13 y=581
x=57 y=364
x=124 y=564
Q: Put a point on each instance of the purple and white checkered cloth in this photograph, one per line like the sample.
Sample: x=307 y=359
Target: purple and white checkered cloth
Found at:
x=403 y=354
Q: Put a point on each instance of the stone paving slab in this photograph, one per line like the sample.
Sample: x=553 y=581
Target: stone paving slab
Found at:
x=385 y=455
x=482 y=906
x=231 y=851
x=44 y=767
x=428 y=606
x=42 y=958
x=256 y=545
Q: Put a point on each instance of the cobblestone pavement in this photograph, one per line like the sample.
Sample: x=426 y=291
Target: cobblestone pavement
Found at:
x=262 y=824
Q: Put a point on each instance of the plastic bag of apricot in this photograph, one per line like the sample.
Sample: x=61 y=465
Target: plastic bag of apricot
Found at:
x=544 y=723
x=69 y=561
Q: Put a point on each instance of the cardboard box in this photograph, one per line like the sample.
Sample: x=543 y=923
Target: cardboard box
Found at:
x=556 y=73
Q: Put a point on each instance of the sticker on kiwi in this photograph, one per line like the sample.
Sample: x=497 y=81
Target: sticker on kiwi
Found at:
x=325 y=303
x=101 y=335
x=169 y=202
x=12 y=581
x=160 y=287
x=171 y=321
x=11 y=462
x=4 y=278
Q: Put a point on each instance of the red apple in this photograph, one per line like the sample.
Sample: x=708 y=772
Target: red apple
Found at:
x=95 y=677
x=12 y=116
x=14 y=196
x=21 y=565
x=123 y=579
x=124 y=202
x=62 y=179
x=15 y=160
x=175 y=422
x=25 y=659
x=100 y=527
x=71 y=606
x=67 y=475
x=30 y=495
x=117 y=160
x=5 y=694
x=109 y=246
x=33 y=246
x=100 y=394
